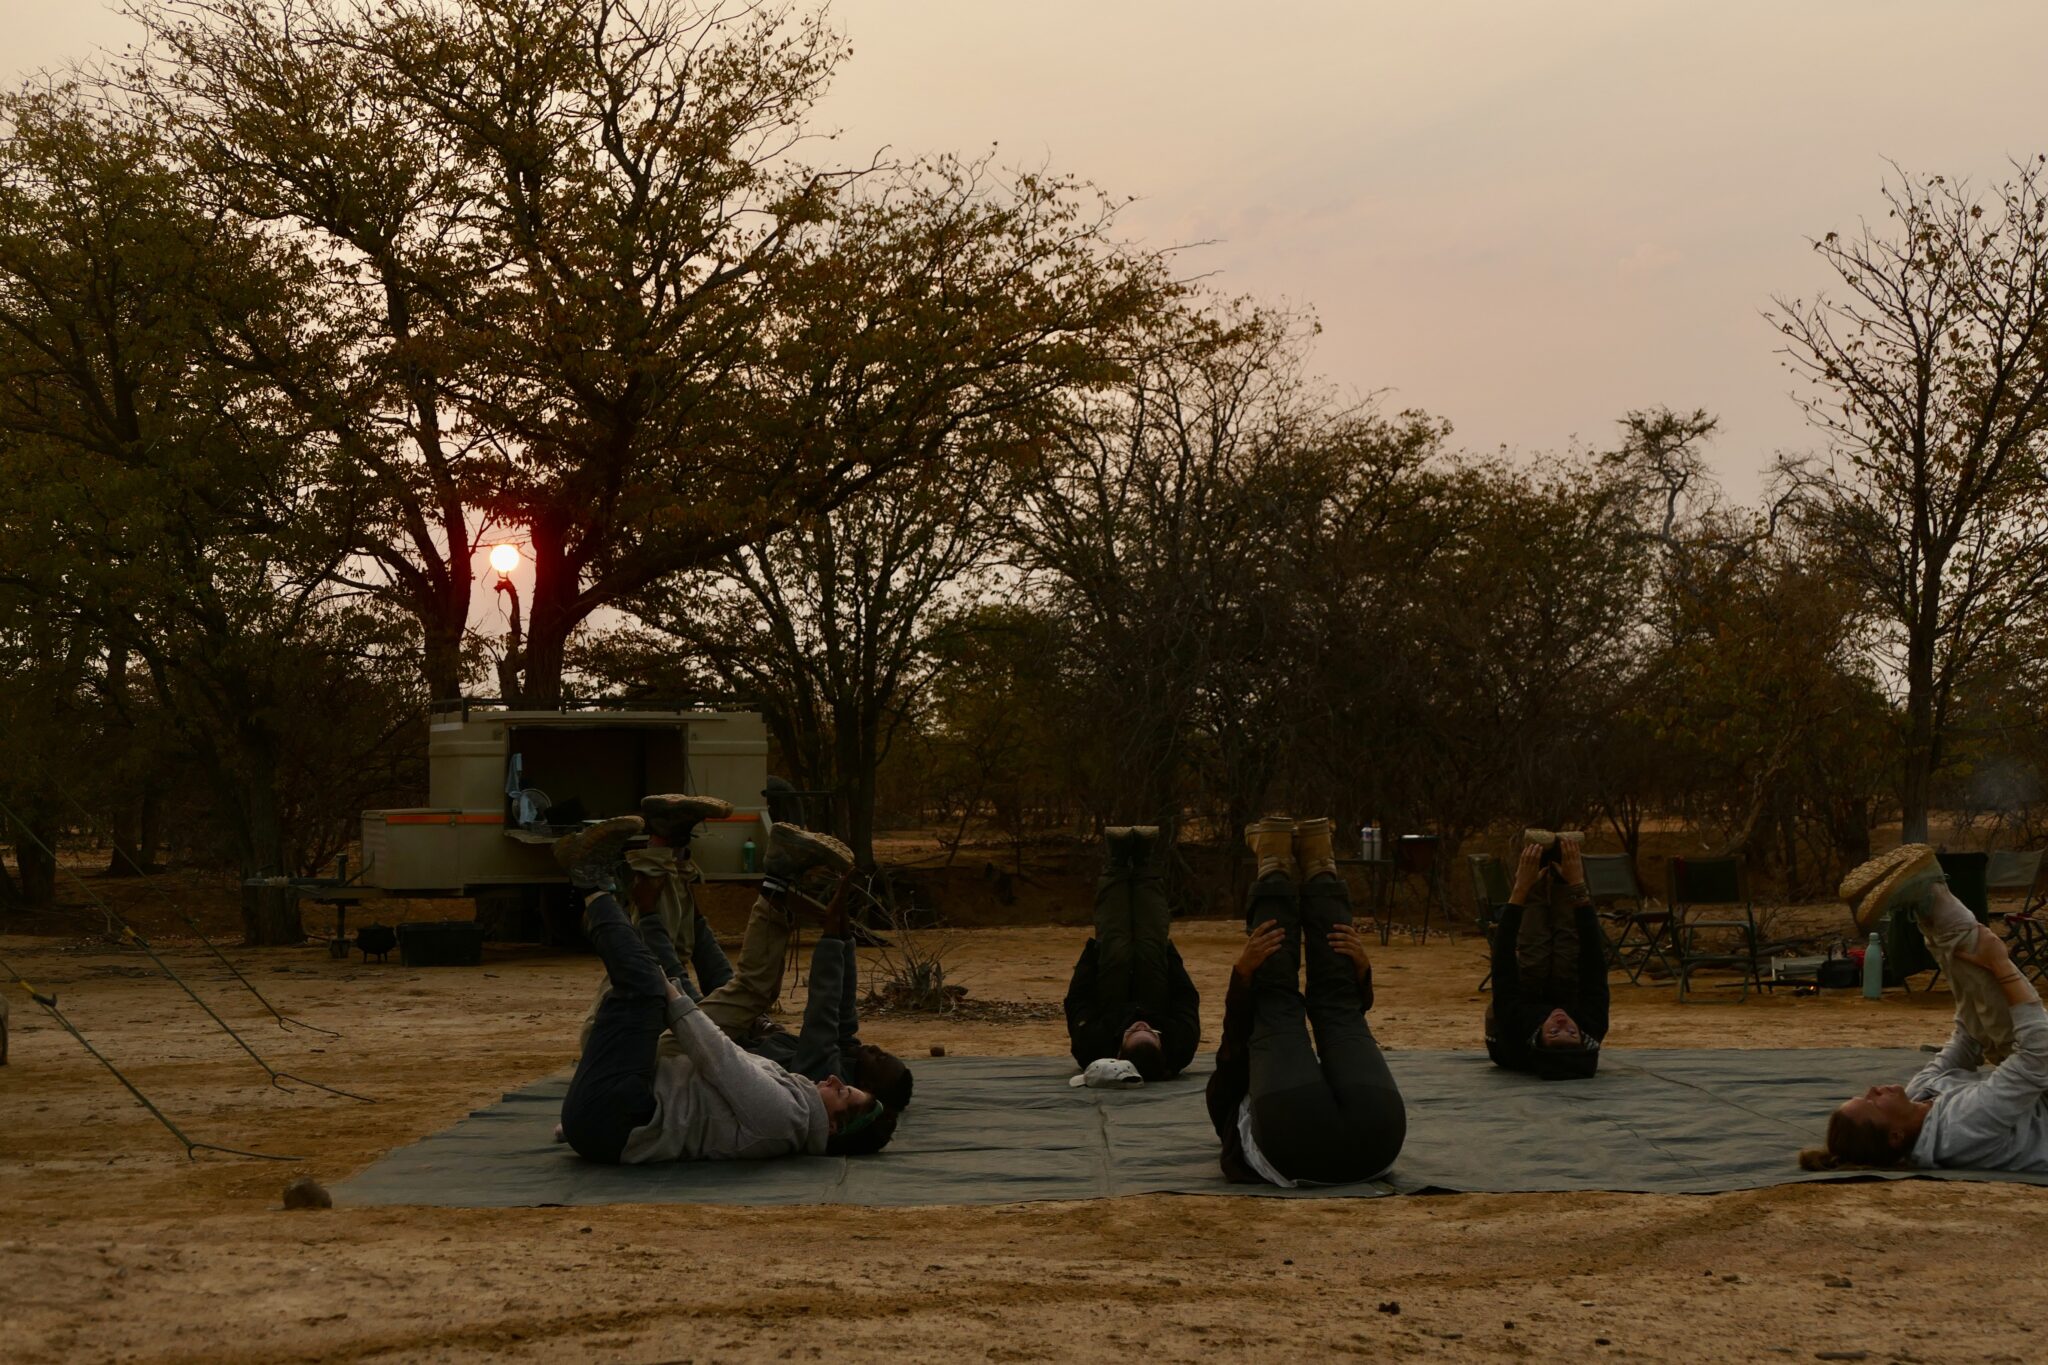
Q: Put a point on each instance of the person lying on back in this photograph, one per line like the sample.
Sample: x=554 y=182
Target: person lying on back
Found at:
x=1548 y=1015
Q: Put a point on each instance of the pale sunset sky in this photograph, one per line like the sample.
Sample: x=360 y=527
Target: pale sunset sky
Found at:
x=1527 y=218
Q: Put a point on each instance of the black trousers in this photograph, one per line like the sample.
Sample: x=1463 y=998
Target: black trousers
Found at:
x=1330 y=1113
x=1133 y=928
x=612 y=1092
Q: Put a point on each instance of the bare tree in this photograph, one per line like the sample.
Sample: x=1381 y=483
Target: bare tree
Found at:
x=1930 y=381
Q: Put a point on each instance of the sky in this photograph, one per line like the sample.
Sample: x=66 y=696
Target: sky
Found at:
x=1526 y=218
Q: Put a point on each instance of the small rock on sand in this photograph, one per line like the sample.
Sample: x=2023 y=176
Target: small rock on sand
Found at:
x=307 y=1193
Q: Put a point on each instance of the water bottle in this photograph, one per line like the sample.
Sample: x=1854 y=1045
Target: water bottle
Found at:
x=1873 y=969
x=747 y=859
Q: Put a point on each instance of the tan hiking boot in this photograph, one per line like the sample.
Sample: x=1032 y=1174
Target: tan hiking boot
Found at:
x=674 y=816
x=592 y=857
x=1313 y=850
x=1271 y=840
x=1875 y=886
x=794 y=850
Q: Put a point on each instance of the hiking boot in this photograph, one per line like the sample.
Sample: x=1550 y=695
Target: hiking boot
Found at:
x=1271 y=840
x=1313 y=851
x=592 y=857
x=1130 y=846
x=1883 y=882
x=673 y=817
x=794 y=850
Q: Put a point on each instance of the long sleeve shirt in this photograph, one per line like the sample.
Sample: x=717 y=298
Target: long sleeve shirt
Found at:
x=1093 y=1035
x=1993 y=1121
x=1521 y=1002
x=716 y=1102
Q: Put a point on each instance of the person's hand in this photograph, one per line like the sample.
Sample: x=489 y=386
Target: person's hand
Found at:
x=1570 y=862
x=1988 y=952
x=1527 y=871
x=1263 y=942
x=1345 y=941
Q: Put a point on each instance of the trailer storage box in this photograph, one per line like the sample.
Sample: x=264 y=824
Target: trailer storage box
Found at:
x=441 y=943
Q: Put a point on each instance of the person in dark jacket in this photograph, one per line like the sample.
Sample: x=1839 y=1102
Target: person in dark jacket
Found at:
x=1131 y=996
x=1548 y=1015
x=1288 y=1114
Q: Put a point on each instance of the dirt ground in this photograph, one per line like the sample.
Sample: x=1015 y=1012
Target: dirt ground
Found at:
x=114 y=1246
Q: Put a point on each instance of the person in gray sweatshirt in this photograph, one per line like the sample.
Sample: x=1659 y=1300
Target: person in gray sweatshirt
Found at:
x=707 y=1101
x=1954 y=1112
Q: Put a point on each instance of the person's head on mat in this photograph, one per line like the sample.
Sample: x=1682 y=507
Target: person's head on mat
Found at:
x=1560 y=1030
x=860 y=1122
x=882 y=1074
x=1144 y=1049
x=1877 y=1128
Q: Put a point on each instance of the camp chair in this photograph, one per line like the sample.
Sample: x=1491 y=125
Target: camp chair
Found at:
x=1489 y=893
x=2019 y=873
x=1696 y=883
x=1611 y=877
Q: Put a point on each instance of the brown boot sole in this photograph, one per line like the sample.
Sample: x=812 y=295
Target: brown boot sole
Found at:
x=674 y=806
x=810 y=848
x=573 y=849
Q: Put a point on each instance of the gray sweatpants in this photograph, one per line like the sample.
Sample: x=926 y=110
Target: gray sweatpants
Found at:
x=1947 y=924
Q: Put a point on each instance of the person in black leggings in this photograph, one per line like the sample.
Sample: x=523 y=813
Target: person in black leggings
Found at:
x=1288 y=1113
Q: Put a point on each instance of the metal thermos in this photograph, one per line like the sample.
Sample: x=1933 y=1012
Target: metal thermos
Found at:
x=747 y=852
x=1873 y=969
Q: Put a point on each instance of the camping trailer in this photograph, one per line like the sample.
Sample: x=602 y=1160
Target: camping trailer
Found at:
x=503 y=783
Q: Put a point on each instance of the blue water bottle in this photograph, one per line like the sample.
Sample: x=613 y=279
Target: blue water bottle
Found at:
x=1873 y=969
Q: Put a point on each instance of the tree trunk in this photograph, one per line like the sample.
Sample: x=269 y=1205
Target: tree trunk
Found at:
x=550 y=617
x=857 y=746
x=443 y=653
x=150 y=825
x=1916 y=782
x=270 y=913
x=38 y=869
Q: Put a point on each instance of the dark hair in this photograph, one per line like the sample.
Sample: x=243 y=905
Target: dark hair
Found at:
x=867 y=1139
x=1149 y=1058
x=1854 y=1142
x=883 y=1075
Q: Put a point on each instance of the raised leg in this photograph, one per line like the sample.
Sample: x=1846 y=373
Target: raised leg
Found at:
x=612 y=1091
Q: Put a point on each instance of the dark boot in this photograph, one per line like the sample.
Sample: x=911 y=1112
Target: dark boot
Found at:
x=1129 y=847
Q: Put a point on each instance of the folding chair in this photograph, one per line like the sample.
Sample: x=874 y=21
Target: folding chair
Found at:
x=1489 y=893
x=1611 y=877
x=2019 y=873
x=2015 y=874
x=1701 y=882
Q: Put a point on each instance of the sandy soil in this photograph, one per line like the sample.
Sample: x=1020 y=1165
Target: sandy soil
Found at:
x=114 y=1246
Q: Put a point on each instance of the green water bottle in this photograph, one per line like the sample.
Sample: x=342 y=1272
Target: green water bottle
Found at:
x=747 y=859
x=1873 y=969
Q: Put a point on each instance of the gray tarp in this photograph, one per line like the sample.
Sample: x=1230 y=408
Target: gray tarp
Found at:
x=998 y=1130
